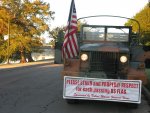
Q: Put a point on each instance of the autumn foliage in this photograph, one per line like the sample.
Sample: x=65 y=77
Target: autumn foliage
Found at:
x=23 y=22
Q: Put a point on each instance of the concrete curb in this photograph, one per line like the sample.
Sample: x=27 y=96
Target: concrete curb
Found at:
x=146 y=93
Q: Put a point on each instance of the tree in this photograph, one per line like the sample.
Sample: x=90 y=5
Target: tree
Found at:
x=58 y=35
x=28 y=20
x=143 y=17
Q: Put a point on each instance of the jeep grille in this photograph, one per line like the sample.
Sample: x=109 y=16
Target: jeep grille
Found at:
x=104 y=61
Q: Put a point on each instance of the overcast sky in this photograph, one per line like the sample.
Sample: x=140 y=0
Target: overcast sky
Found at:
x=126 y=8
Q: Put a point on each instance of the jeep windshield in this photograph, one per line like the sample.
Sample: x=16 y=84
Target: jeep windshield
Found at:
x=105 y=33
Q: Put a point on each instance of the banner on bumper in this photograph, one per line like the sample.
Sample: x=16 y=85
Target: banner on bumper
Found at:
x=102 y=89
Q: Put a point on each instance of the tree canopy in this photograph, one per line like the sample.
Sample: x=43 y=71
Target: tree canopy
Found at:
x=23 y=22
x=143 y=17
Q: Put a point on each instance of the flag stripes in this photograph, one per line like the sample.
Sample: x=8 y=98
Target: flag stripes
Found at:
x=70 y=45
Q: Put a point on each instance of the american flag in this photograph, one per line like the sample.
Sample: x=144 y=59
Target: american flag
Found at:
x=70 y=45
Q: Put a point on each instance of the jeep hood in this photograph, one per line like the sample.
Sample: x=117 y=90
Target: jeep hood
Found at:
x=105 y=47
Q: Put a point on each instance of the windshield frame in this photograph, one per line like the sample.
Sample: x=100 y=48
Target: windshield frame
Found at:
x=105 y=38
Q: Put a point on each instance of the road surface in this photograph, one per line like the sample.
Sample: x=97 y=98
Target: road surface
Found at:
x=38 y=89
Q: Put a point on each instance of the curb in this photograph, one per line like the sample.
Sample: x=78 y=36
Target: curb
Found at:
x=34 y=64
x=146 y=94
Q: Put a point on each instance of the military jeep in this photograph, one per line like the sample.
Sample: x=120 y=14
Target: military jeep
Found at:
x=108 y=52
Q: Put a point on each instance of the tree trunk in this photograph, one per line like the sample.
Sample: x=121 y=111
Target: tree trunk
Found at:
x=29 y=57
x=23 y=59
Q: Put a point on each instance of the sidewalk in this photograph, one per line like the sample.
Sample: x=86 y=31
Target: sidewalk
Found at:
x=10 y=66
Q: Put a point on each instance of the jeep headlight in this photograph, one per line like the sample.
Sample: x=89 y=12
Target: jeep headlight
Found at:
x=84 y=57
x=123 y=59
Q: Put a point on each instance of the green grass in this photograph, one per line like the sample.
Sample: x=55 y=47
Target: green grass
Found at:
x=148 y=75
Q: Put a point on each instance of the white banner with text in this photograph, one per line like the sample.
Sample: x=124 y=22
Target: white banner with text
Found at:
x=102 y=89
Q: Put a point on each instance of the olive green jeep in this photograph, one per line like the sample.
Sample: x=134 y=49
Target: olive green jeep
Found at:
x=107 y=52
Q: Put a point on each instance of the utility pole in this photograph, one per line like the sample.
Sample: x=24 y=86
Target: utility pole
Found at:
x=8 y=43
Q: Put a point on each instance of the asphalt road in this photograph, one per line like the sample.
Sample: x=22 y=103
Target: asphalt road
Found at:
x=38 y=89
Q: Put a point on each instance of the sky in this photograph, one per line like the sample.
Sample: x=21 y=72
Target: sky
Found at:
x=125 y=8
